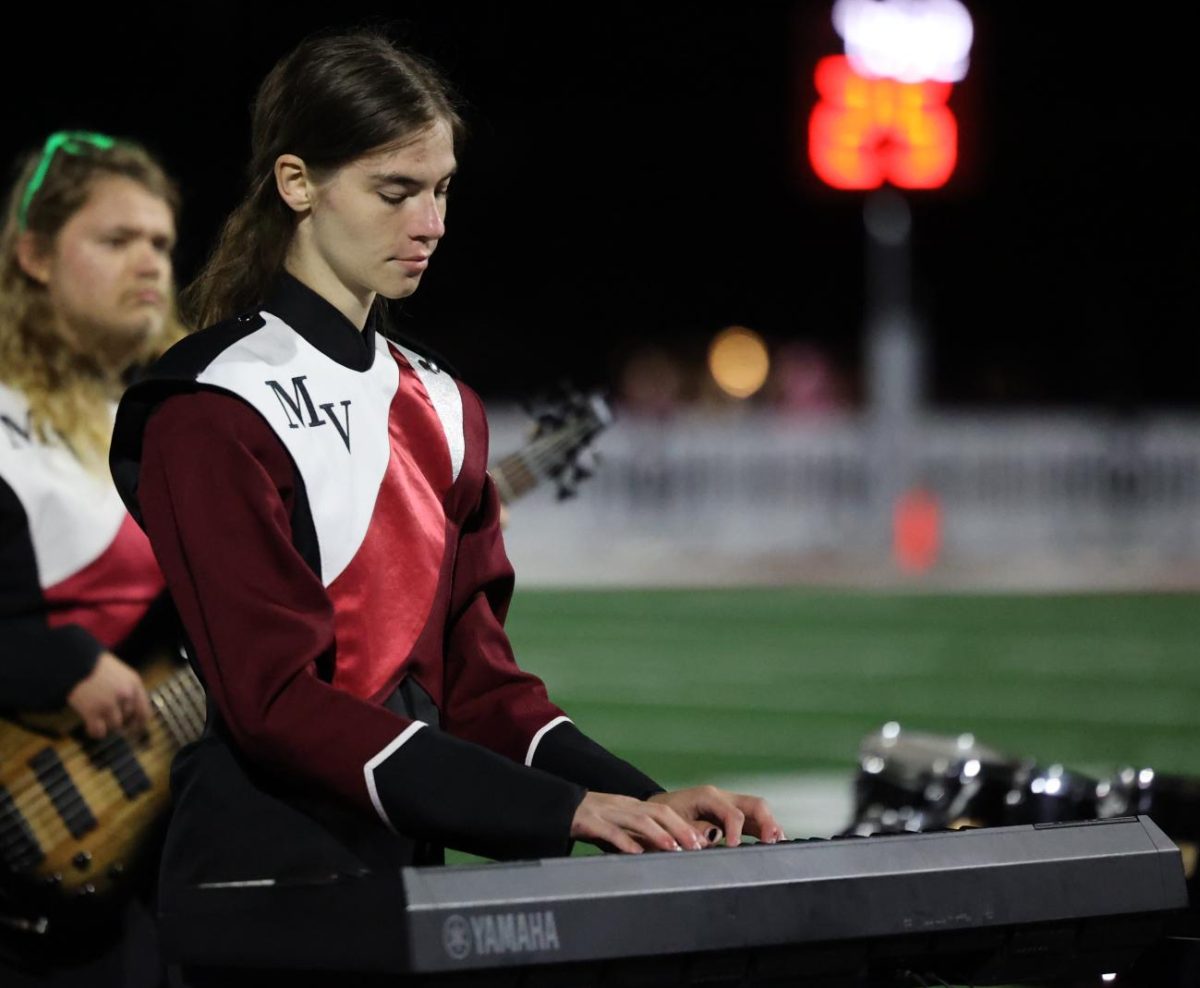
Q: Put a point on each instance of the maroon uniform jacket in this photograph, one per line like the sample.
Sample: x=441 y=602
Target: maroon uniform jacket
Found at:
x=318 y=499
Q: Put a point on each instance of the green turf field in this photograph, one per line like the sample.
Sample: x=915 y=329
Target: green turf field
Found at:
x=697 y=684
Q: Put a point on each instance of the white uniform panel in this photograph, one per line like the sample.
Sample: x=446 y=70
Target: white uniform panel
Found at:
x=331 y=419
x=74 y=513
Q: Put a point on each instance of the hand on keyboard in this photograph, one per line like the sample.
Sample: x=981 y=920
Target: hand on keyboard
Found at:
x=734 y=812
x=632 y=825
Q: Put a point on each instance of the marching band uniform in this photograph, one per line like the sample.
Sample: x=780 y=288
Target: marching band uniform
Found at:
x=318 y=499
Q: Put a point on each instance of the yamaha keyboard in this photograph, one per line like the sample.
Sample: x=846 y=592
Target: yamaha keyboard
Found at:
x=979 y=906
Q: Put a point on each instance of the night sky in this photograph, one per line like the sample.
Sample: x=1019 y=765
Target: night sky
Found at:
x=636 y=173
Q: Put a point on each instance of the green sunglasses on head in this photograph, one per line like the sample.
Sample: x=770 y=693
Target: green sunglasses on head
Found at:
x=70 y=141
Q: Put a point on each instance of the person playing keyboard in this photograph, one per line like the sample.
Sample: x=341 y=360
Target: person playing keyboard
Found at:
x=318 y=499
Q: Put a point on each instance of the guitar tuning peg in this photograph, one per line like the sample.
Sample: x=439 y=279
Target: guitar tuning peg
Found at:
x=601 y=409
x=587 y=460
x=542 y=424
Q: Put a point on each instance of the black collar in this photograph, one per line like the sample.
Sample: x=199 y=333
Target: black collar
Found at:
x=319 y=322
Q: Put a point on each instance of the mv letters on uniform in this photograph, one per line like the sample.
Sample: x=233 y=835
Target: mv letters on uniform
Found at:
x=301 y=410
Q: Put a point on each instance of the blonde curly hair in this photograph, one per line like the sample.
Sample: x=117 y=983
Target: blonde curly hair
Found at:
x=69 y=389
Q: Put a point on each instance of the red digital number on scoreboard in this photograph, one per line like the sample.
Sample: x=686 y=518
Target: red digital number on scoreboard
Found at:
x=865 y=132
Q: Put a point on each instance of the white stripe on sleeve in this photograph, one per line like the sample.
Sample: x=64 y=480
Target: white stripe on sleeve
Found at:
x=379 y=759
x=538 y=737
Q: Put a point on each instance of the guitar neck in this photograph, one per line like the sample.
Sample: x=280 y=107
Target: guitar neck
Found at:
x=179 y=700
x=518 y=473
x=513 y=477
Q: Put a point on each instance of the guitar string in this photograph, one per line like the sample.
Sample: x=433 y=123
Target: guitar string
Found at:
x=515 y=464
x=179 y=723
x=519 y=478
x=556 y=442
x=552 y=449
x=50 y=846
x=40 y=810
x=93 y=754
x=42 y=807
x=101 y=793
x=538 y=459
x=187 y=693
x=99 y=754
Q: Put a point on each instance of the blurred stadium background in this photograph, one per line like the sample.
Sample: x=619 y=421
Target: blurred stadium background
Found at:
x=793 y=535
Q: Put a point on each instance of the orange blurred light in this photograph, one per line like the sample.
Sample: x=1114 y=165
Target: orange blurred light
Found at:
x=738 y=361
x=865 y=132
x=916 y=530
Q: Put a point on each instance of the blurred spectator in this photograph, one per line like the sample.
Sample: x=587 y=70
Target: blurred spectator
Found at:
x=86 y=297
x=803 y=379
x=651 y=382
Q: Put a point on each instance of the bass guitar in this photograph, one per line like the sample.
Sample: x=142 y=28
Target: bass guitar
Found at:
x=76 y=812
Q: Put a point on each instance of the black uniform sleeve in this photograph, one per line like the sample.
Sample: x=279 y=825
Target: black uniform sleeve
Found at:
x=489 y=698
x=39 y=665
x=570 y=754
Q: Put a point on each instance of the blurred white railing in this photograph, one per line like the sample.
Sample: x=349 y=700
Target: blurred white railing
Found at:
x=758 y=496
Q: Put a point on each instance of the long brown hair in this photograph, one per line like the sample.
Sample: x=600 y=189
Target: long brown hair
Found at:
x=68 y=391
x=334 y=98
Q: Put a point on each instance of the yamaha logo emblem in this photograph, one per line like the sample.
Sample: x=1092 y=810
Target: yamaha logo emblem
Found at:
x=499 y=933
x=456 y=937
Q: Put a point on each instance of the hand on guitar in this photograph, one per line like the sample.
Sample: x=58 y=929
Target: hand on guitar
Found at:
x=111 y=698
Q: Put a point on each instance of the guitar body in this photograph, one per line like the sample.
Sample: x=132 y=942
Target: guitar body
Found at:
x=78 y=815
